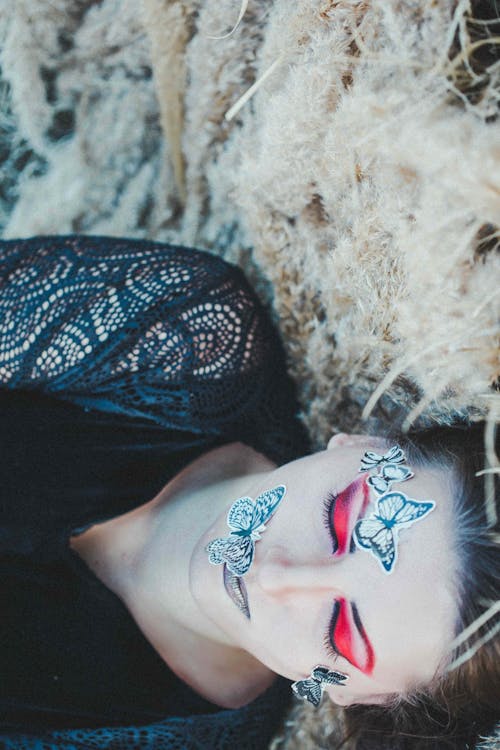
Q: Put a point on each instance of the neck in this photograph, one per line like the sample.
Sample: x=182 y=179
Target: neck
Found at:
x=144 y=557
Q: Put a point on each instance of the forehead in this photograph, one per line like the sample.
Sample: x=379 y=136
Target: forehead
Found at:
x=410 y=613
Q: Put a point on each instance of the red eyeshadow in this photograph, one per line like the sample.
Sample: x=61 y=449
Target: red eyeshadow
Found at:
x=349 y=637
x=345 y=513
x=370 y=655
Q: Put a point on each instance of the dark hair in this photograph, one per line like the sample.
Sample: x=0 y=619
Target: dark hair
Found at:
x=463 y=702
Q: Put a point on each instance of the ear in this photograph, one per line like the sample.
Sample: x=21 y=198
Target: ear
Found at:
x=356 y=439
x=341 y=438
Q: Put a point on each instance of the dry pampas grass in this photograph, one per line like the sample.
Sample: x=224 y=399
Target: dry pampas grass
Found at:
x=346 y=153
x=360 y=178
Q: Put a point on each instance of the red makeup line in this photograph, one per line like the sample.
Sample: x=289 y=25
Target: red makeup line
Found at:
x=348 y=637
x=349 y=505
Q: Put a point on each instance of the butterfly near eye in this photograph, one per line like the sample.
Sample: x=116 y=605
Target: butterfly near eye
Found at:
x=246 y=520
x=379 y=532
x=390 y=473
x=371 y=459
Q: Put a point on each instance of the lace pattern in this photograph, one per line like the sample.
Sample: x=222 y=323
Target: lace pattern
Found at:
x=59 y=307
x=139 y=328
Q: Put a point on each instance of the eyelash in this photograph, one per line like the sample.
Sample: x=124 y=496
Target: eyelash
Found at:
x=327 y=510
x=330 y=650
x=327 y=519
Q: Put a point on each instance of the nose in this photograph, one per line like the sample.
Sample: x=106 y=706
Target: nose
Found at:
x=277 y=576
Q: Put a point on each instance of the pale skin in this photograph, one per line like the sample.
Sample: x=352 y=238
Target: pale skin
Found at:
x=154 y=559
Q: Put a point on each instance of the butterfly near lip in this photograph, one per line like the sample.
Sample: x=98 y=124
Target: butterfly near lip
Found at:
x=246 y=520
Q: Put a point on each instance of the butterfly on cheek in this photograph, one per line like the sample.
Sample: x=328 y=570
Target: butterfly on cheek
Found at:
x=246 y=520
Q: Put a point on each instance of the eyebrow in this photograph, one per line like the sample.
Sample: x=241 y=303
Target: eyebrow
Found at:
x=345 y=627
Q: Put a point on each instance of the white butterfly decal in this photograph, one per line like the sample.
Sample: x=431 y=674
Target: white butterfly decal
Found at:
x=311 y=689
x=246 y=520
x=371 y=460
x=390 y=473
x=379 y=532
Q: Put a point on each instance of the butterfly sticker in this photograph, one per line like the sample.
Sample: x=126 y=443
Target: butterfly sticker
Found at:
x=311 y=689
x=235 y=587
x=246 y=520
x=379 y=532
x=390 y=473
x=371 y=460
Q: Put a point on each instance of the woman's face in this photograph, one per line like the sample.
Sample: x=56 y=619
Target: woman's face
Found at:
x=316 y=598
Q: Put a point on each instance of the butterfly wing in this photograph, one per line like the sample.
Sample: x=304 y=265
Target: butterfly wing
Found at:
x=373 y=535
x=366 y=530
x=396 y=508
x=238 y=554
x=236 y=589
x=240 y=515
x=378 y=483
x=414 y=510
x=396 y=473
x=216 y=550
x=383 y=546
x=309 y=690
x=394 y=456
x=370 y=460
x=265 y=506
x=328 y=676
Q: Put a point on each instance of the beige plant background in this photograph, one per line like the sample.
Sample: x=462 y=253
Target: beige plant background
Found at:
x=358 y=186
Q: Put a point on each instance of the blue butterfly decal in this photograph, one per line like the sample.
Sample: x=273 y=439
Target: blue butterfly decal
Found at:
x=371 y=459
x=390 y=473
x=246 y=520
x=379 y=532
x=311 y=689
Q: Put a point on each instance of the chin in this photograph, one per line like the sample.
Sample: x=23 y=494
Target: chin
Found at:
x=200 y=573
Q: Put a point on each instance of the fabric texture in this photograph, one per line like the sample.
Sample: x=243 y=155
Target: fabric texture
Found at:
x=169 y=334
x=203 y=733
x=107 y=392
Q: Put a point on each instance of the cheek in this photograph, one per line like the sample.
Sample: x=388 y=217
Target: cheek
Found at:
x=282 y=636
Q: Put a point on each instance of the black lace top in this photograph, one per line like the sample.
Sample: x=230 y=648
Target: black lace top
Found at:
x=120 y=362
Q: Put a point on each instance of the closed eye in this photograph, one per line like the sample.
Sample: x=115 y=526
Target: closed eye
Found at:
x=341 y=512
x=346 y=637
x=328 y=506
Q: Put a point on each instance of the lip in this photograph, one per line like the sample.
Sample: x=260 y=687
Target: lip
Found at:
x=349 y=505
x=236 y=590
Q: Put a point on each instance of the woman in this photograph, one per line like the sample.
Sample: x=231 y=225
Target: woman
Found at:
x=166 y=552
